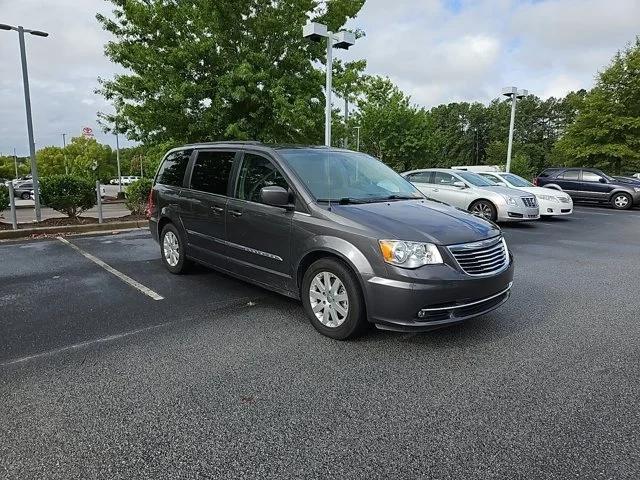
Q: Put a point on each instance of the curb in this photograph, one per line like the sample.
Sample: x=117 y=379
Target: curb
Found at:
x=89 y=227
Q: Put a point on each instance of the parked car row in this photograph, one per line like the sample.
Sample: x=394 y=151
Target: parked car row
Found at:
x=126 y=180
x=495 y=196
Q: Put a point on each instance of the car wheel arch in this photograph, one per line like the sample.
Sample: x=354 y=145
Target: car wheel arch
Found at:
x=482 y=199
x=553 y=185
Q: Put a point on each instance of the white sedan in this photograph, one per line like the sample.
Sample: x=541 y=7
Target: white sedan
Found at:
x=551 y=202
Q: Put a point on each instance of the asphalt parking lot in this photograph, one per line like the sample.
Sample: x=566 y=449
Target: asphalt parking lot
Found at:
x=100 y=378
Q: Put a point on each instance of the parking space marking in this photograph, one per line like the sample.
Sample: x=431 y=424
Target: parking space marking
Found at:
x=83 y=344
x=126 y=279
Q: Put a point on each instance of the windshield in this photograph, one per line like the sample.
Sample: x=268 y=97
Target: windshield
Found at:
x=516 y=180
x=338 y=175
x=475 y=179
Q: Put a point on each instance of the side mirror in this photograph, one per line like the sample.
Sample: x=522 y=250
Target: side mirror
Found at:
x=602 y=180
x=459 y=184
x=276 y=196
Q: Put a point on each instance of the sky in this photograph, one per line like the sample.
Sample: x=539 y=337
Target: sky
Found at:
x=438 y=51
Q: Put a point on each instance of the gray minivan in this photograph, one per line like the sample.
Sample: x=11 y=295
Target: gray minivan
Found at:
x=339 y=230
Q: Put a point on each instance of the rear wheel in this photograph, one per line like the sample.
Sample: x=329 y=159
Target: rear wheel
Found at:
x=484 y=209
x=621 y=201
x=172 y=250
x=332 y=299
x=25 y=196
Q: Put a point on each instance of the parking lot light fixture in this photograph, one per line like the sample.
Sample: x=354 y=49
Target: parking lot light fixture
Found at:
x=27 y=100
x=515 y=95
x=316 y=32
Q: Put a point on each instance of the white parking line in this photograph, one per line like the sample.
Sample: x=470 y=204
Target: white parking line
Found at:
x=126 y=279
x=82 y=344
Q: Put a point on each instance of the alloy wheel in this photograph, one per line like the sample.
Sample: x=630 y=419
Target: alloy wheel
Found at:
x=482 y=210
x=171 y=249
x=621 y=201
x=329 y=300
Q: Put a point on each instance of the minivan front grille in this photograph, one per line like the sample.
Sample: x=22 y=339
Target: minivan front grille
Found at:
x=481 y=258
x=529 y=202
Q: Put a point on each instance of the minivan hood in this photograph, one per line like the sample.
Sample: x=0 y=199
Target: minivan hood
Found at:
x=419 y=221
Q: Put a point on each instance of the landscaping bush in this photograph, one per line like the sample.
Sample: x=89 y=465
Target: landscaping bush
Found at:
x=4 y=198
x=67 y=194
x=137 y=194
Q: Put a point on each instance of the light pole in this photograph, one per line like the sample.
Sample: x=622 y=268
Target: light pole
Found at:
x=27 y=101
x=118 y=160
x=15 y=162
x=358 y=138
x=316 y=32
x=514 y=94
x=64 y=152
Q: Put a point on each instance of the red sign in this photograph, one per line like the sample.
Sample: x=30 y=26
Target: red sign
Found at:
x=87 y=132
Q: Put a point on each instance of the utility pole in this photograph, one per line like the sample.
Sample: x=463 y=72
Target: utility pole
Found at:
x=15 y=161
x=118 y=161
x=64 y=152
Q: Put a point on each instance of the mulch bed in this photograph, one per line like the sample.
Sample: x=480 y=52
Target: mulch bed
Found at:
x=5 y=224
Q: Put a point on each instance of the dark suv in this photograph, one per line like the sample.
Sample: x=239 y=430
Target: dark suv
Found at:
x=339 y=230
x=591 y=185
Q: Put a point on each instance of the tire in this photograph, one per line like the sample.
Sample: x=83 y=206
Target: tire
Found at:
x=330 y=320
x=621 y=201
x=172 y=250
x=484 y=209
x=25 y=196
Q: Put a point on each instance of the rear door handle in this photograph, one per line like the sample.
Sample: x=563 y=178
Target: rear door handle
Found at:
x=217 y=209
x=236 y=213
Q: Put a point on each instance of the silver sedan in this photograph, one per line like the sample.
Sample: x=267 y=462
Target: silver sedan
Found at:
x=478 y=195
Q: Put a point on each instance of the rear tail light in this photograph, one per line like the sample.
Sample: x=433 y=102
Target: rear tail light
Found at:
x=151 y=204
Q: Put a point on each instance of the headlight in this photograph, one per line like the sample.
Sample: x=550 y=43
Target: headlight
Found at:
x=510 y=200
x=549 y=198
x=409 y=254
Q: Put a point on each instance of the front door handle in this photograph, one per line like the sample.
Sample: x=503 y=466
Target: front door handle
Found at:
x=436 y=189
x=236 y=213
x=217 y=209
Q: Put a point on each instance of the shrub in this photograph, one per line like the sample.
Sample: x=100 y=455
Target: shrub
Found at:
x=137 y=194
x=4 y=198
x=67 y=194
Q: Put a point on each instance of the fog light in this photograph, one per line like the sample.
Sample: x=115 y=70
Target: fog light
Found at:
x=549 y=210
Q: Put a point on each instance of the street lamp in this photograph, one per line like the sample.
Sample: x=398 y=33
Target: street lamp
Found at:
x=316 y=32
x=358 y=138
x=27 y=101
x=514 y=94
x=64 y=152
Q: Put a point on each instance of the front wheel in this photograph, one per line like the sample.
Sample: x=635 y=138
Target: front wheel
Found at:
x=172 y=250
x=332 y=299
x=484 y=209
x=622 y=201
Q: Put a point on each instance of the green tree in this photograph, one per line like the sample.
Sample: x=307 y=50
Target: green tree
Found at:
x=393 y=129
x=606 y=131
x=231 y=69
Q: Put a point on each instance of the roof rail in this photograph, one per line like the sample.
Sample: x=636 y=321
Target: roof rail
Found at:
x=223 y=142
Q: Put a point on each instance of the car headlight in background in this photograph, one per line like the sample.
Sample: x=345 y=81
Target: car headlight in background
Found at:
x=409 y=254
x=510 y=200
x=549 y=198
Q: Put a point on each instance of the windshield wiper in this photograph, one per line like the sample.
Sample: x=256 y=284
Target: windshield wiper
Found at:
x=402 y=197
x=342 y=201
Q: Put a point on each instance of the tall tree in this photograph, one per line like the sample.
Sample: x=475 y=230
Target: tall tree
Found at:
x=208 y=70
x=606 y=131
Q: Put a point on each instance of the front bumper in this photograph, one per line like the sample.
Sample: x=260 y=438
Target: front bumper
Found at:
x=548 y=208
x=510 y=213
x=446 y=298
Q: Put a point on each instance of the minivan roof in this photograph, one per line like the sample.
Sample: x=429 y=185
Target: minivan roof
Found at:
x=253 y=143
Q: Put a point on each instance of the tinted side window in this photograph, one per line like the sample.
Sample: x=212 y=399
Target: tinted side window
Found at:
x=441 y=178
x=211 y=172
x=590 y=176
x=172 y=170
x=257 y=172
x=569 y=175
x=422 y=177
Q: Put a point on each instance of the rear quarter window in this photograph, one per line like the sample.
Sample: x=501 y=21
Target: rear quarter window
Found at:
x=173 y=167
